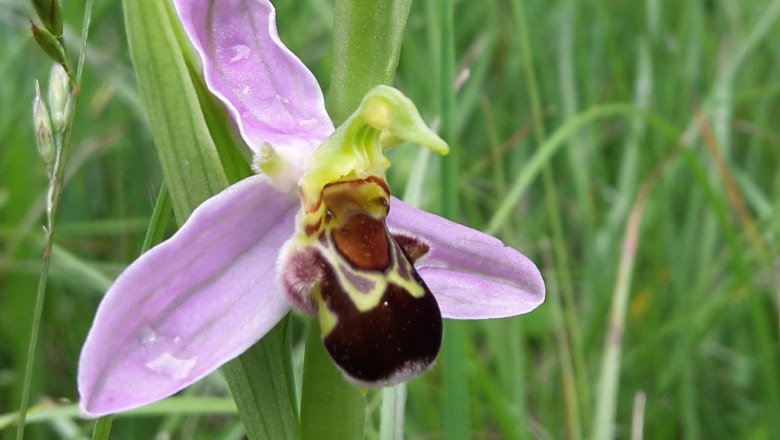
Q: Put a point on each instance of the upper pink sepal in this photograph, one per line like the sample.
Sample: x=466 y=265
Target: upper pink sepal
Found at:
x=270 y=92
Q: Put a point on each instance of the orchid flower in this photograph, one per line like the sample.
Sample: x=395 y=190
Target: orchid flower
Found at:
x=315 y=230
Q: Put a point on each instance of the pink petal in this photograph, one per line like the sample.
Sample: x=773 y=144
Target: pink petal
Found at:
x=471 y=274
x=191 y=303
x=269 y=91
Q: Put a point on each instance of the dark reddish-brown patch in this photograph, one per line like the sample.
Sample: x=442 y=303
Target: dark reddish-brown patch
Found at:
x=370 y=179
x=362 y=240
x=343 y=198
x=312 y=229
x=413 y=247
x=379 y=181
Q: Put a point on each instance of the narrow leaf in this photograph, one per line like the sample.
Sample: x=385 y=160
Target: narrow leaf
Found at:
x=187 y=152
x=192 y=169
x=48 y=43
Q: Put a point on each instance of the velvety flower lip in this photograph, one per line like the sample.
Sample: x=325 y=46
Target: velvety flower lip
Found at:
x=212 y=290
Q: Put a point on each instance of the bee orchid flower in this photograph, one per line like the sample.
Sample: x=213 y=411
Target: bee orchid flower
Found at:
x=315 y=230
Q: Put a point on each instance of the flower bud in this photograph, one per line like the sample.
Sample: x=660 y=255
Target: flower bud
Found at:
x=50 y=14
x=48 y=43
x=43 y=132
x=59 y=97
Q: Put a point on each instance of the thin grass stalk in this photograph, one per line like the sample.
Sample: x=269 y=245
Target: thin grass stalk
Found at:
x=54 y=192
x=544 y=153
x=573 y=424
x=638 y=416
x=39 y=298
x=457 y=418
x=56 y=183
x=606 y=400
x=609 y=377
x=496 y=170
x=565 y=351
x=578 y=152
x=690 y=402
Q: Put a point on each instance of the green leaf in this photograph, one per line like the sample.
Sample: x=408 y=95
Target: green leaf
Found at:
x=184 y=145
x=47 y=412
x=266 y=406
x=185 y=122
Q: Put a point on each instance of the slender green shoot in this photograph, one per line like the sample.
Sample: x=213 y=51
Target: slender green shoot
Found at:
x=61 y=137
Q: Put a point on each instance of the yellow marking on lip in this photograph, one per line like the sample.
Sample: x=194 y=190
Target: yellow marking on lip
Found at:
x=328 y=319
x=365 y=301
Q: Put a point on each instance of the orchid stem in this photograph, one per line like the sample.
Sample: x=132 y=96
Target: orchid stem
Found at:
x=366 y=47
x=330 y=407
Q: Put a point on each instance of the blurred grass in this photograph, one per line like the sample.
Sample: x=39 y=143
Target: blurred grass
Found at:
x=700 y=336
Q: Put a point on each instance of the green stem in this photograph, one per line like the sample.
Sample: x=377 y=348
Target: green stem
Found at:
x=391 y=426
x=447 y=104
x=102 y=428
x=52 y=203
x=456 y=395
x=606 y=402
x=55 y=191
x=571 y=336
x=330 y=407
x=457 y=418
x=34 y=336
x=366 y=47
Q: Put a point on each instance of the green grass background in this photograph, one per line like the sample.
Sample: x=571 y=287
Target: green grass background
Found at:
x=620 y=93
